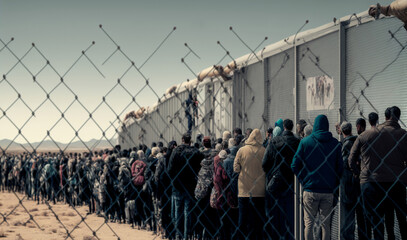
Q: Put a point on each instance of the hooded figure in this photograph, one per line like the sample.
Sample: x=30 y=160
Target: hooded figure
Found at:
x=251 y=186
x=319 y=156
x=318 y=165
x=277 y=132
x=279 y=123
x=248 y=163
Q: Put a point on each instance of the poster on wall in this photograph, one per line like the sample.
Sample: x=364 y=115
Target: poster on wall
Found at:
x=320 y=93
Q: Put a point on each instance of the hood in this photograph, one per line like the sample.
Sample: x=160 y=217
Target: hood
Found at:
x=321 y=129
x=254 y=138
x=277 y=132
x=279 y=123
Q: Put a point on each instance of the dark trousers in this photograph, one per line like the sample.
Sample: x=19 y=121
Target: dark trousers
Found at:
x=183 y=204
x=251 y=217
x=379 y=198
x=228 y=222
x=282 y=214
x=348 y=221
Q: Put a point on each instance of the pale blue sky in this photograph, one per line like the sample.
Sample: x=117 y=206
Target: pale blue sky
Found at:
x=62 y=29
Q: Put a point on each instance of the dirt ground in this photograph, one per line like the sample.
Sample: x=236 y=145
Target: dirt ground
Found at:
x=19 y=226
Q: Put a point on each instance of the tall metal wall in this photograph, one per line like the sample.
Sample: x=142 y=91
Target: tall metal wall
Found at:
x=280 y=86
x=372 y=84
x=365 y=60
x=265 y=90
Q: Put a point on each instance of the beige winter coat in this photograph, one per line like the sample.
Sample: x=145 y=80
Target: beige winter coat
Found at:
x=248 y=164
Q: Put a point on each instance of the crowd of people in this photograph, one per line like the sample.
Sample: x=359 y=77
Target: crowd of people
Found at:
x=238 y=186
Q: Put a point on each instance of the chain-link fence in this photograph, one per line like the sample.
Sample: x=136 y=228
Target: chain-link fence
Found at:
x=183 y=168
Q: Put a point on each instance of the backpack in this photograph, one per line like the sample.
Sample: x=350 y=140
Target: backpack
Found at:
x=137 y=172
x=205 y=179
x=124 y=178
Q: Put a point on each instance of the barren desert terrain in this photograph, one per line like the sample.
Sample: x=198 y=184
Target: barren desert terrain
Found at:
x=45 y=224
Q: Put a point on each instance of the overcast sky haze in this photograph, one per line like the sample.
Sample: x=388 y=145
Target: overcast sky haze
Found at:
x=62 y=29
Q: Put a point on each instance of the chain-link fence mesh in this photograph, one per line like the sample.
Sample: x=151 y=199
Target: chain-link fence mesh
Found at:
x=184 y=169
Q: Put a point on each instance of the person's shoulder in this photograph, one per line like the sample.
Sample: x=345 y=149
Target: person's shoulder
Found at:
x=307 y=141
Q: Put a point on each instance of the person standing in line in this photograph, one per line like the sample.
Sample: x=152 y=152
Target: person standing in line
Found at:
x=280 y=179
x=360 y=125
x=373 y=119
x=351 y=203
x=183 y=168
x=379 y=155
x=318 y=166
x=251 y=185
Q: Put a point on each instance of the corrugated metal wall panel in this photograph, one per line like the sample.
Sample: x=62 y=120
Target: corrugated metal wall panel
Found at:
x=253 y=87
x=317 y=58
x=369 y=50
x=281 y=77
x=223 y=107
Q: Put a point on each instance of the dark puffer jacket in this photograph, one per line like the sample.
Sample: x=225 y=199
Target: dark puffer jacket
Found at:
x=278 y=158
x=183 y=168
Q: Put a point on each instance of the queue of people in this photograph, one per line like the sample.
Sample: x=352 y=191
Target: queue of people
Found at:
x=238 y=186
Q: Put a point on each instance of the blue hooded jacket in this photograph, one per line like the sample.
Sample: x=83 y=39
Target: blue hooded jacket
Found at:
x=318 y=161
x=279 y=123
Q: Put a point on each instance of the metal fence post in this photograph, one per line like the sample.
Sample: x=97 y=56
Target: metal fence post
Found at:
x=342 y=98
x=297 y=190
x=266 y=119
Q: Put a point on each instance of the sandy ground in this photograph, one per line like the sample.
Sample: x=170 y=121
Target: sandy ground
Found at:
x=19 y=226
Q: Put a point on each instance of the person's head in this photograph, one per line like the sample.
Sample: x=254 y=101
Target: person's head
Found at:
x=160 y=144
x=321 y=124
x=222 y=154
x=231 y=142
x=186 y=138
x=300 y=127
x=140 y=154
x=226 y=135
x=277 y=131
x=219 y=140
x=206 y=142
x=270 y=132
x=237 y=131
x=307 y=130
x=153 y=144
x=172 y=145
x=248 y=132
x=155 y=151
x=392 y=113
x=338 y=128
x=288 y=125
x=279 y=123
x=238 y=139
x=360 y=125
x=373 y=119
x=346 y=128
x=218 y=147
